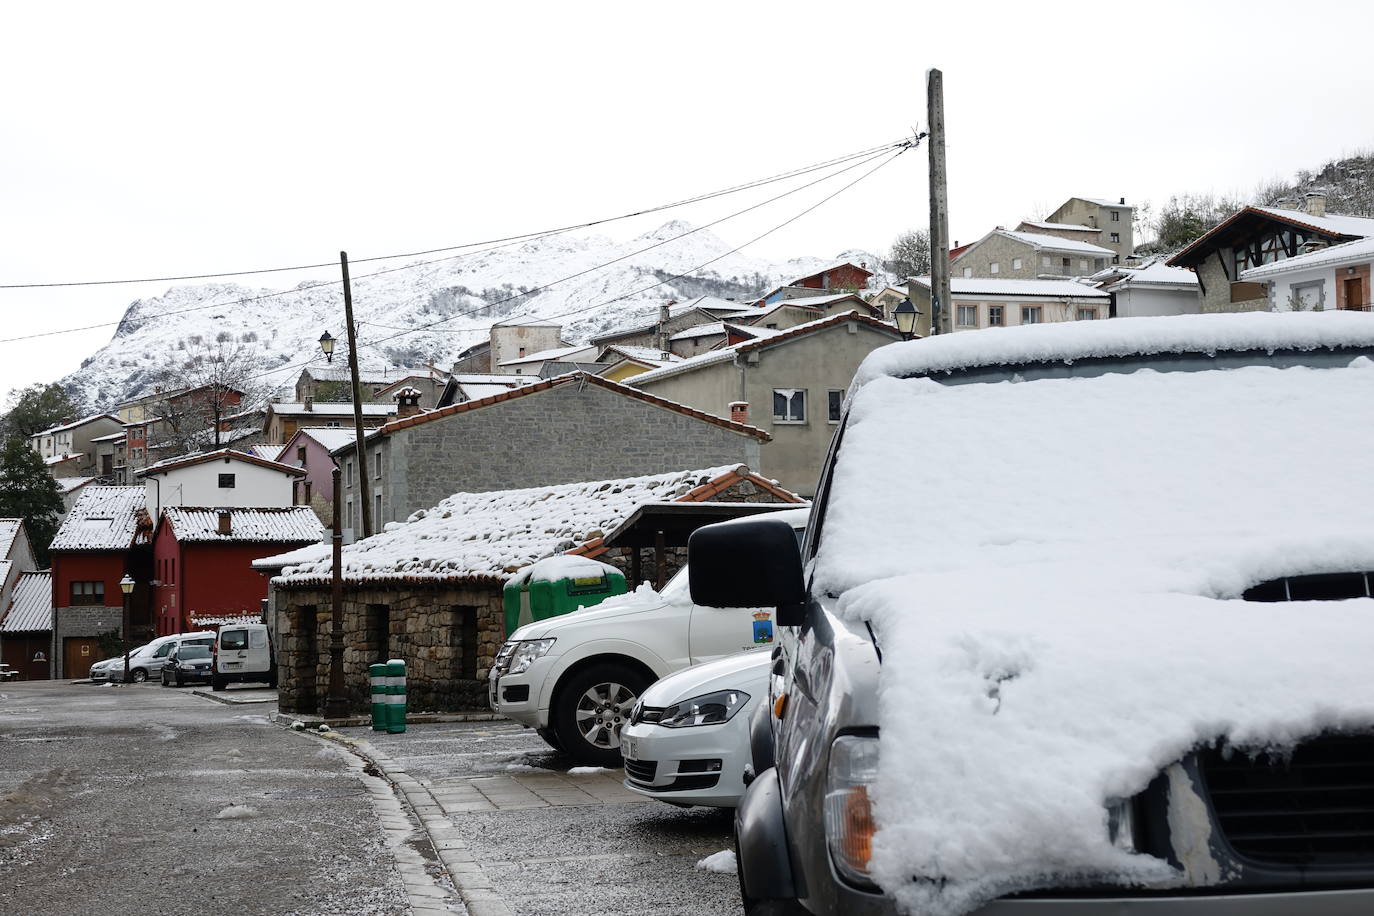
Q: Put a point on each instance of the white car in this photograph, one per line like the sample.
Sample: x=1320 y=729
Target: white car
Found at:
x=111 y=669
x=575 y=678
x=688 y=738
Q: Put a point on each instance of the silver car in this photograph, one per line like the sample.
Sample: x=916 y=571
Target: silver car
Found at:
x=111 y=669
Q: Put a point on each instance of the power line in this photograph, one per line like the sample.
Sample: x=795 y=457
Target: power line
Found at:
x=793 y=173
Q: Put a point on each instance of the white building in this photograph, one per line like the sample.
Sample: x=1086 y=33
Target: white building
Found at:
x=219 y=479
x=1156 y=289
x=1335 y=277
x=991 y=302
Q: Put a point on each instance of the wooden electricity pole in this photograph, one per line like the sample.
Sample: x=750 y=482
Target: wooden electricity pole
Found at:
x=336 y=703
x=941 y=319
x=359 y=442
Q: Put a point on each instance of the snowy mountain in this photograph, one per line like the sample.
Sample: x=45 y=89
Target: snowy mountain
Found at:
x=467 y=292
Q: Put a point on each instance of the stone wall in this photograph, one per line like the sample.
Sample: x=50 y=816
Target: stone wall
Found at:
x=447 y=634
x=84 y=621
x=1216 y=288
x=1002 y=250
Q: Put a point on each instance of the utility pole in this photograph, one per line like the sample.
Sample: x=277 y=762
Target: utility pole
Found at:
x=359 y=443
x=336 y=705
x=941 y=318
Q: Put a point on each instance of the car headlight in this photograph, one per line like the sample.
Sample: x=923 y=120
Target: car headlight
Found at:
x=710 y=709
x=526 y=652
x=848 y=814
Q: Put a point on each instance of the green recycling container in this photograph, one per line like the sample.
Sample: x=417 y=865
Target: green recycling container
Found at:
x=396 y=696
x=558 y=585
x=377 y=675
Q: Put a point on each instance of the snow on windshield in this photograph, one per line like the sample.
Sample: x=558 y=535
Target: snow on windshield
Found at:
x=1051 y=569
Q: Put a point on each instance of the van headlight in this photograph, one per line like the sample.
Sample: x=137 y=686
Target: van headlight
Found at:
x=708 y=709
x=526 y=652
x=848 y=812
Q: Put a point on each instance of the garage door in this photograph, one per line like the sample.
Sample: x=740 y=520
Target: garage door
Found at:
x=78 y=654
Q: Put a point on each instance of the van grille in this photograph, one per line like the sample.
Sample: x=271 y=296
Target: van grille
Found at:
x=1313 y=808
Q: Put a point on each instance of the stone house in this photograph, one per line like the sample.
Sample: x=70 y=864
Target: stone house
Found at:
x=1006 y=254
x=69 y=449
x=1258 y=236
x=569 y=428
x=104 y=537
x=1111 y=218
x=534 y=363
x=431 y=591
x=995 y=302
x=26 y=626
x=473 y=386
x=430 y=383
x=676 y=317
x=1335 y=277
x=791 y=383
x=335 y=383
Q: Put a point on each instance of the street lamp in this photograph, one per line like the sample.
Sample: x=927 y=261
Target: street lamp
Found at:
x=126 y=585
x=905 y=315
x=327 y=345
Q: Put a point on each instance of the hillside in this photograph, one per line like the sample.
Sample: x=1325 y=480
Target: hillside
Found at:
x=279 y=333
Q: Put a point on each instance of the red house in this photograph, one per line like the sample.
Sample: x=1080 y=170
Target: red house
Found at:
x=841 y=276
x=202 y=561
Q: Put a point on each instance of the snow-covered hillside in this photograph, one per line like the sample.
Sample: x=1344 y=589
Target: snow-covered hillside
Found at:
x=472 y=290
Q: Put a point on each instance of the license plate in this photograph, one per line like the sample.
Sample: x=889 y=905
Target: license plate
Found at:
x=627 y=748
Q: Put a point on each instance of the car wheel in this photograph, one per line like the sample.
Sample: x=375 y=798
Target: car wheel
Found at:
x=164 y=680
x=178 y=680
x=216 y=682
x=138 y=675
x=593 y=705
x=551 y=739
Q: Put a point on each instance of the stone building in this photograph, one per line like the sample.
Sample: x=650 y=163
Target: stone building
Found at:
x=1006 y=254
x=431 y=591
x=1111 y=218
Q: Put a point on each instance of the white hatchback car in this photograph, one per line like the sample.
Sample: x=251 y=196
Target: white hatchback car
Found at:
x=688 y=738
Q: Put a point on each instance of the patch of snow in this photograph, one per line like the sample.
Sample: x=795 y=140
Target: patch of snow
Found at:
x=236 y=812
x=324 y=728
x=720 y=863
x=587 y=771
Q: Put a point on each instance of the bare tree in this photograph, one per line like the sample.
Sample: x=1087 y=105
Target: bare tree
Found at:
x=910 y=254
x=214 y=381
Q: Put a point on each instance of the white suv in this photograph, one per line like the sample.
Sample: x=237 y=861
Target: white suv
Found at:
x=576 y=678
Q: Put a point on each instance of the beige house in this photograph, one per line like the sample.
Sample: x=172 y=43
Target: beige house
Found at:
x=69 y=449
x=1111 y=218
x=1005 y=253
x=283 y=419
x=791 y=383
x=984 y=302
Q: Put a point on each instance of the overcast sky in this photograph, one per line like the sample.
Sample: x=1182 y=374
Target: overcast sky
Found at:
x=144 y=139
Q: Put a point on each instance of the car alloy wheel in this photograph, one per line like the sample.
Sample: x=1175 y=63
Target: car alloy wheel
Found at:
x=592 y=708
x=138 y=676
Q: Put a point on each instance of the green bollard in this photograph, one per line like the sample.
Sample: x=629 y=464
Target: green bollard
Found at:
x=377 y=675
x=396 y=696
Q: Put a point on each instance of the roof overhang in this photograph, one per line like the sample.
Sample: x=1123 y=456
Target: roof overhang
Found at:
x=675 y=521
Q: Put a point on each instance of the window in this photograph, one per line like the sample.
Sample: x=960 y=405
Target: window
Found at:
x=1115 y=236
x=994 y=267
x=332 y=424
x=772 y=327
x=1084 y=263
x=1087 y=314
x=233 y=639
x=348 y=472
x=834 y=404
x=300 y=454
x=1044 y=260
x=463 y=631
x=88 y=593
x=789 y=405
x=379 y=631
x=968 y=316
x=1066 y=263
x=226 y=481
x=522 y=353
x=1015 y=263
x=377 y=463
x=995 y=319
x=1030 y=314
x=377 y=510
x=348 y=512
x=1116 y=216
x=968 y=271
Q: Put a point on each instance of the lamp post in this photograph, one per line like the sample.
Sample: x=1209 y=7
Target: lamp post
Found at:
x=905 y=315
x=327 y=346
x=126 y=585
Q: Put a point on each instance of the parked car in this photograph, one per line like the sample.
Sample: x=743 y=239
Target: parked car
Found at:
x=687 y=742
x=111 y=669
x=147 y=662
x=1055 y=672
x=188 y=662
x=575 y=678
x=243 y=652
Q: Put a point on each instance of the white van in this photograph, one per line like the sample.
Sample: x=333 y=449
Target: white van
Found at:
x=147 y=661
x=243 y=652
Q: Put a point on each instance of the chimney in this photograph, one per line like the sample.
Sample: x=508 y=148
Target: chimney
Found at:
x=1287 y=203
x=407 y=402
x=226 y=526
x=1315 y=202
x=739 y=411
x=1123 y=201
x=309 y=403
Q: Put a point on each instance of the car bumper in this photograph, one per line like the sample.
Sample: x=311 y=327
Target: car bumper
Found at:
x=516 y=696
x=703 y=765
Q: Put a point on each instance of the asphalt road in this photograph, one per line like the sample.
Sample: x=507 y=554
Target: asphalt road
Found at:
x=127 y=800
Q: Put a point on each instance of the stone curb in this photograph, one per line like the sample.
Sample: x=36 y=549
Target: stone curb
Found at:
x=230 y=701
x=420 y=718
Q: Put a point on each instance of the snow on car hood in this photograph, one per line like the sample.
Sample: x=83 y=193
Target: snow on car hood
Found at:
x=746 y=671
x=1056 y=596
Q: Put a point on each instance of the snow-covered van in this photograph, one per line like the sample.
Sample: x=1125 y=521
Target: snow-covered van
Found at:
x=576 y=678
x=1082 y=624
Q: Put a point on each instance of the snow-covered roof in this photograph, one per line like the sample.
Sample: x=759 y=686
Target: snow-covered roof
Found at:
x=186 y=461
x=1358 y=250
x=1102 y=202
x=479 y=378
x=30 y=607
x=67 y=484
x=701 y=330
x=269 y=452
x=9 y=530
x=62 y=459
x=1054 y=242
x=365 y=376
x=833 y=265
x=557 y=353
x=996 y=286
x=75 y=423
x=111 y=437
x=1332 y=222
x=1157 y=274
x=475 y=391
x=289 y=524
x=329 y=437
x=102 y=518
x=811 y=302
x=762 y=336
x=489 y=535
x=1076 y=627
x=330 y=409
x=1068 y=342
x=651 y=355
x=1059 y=227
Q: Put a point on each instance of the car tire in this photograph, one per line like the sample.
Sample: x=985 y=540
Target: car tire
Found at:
x=551 y=739
x=138 y=675
x=216 y=682
x=775 y=907
x=176 y=678
x=593 y=705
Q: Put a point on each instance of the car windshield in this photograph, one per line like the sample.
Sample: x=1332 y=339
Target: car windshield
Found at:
x=185 y=653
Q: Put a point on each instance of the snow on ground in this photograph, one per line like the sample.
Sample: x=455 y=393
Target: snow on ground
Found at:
x=721 y=863
x=1057 y=608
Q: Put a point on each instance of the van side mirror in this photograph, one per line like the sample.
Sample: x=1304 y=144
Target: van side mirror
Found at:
x=753 y=563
